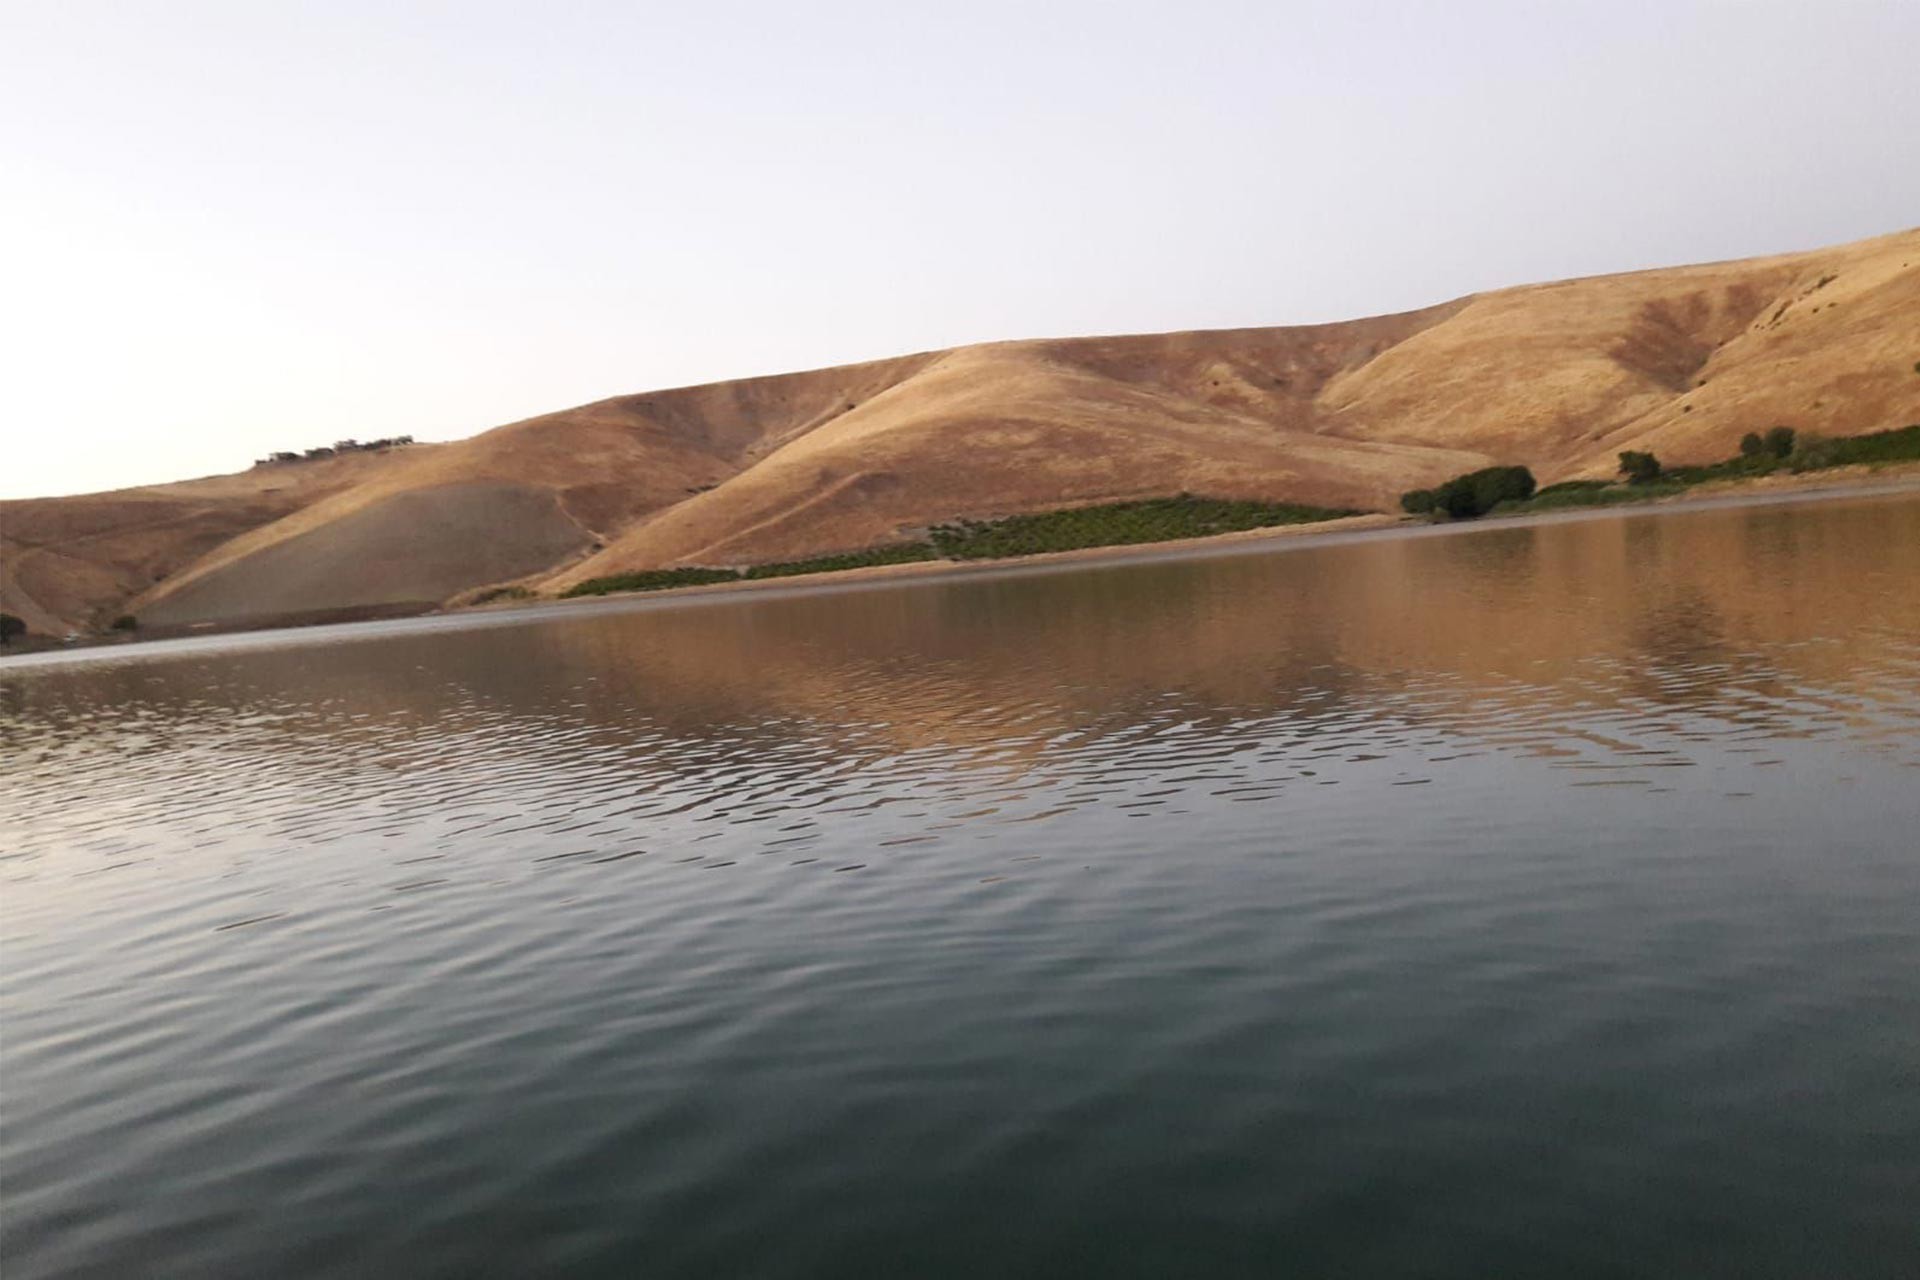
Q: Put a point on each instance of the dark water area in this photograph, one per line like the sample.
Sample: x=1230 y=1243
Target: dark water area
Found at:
x=1536 y=900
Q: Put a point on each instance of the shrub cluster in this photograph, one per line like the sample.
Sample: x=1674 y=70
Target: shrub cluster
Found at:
x=1777 y=443
x=337 y=447
x=1639 y=468
x=1471 y=495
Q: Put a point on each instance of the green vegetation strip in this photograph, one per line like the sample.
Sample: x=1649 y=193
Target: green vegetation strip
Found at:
x=1778 y=452
x=1601 y=494
x=1116 y=524
x=1509 y=490
x=1107 y=525
x=904 y=553
x=650 y=580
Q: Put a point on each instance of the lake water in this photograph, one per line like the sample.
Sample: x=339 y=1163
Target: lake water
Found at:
x=1531 y=900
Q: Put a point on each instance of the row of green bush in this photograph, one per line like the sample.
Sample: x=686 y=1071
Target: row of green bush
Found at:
x=1643 y=476
x=1899 y=445
x=1116 y=524
x=661 y=579
x=1780 y=449
x=1107 y=525
x=1599 y=493
x=1471 y=495
x=900 y=553
x=650 y=580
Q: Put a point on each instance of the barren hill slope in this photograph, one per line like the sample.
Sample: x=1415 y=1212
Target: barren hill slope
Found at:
x=1558 y=376
x=74 y=562
x=1684 y=361
x=505 y=504
x=1003 y=429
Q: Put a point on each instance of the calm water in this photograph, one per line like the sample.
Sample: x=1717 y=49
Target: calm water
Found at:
x=1528 y=901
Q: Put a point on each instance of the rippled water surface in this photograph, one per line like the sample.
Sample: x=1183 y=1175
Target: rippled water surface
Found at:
x=1534 y=900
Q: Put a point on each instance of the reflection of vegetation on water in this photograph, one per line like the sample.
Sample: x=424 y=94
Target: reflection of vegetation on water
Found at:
x=1109 y=524
x=1505 y=490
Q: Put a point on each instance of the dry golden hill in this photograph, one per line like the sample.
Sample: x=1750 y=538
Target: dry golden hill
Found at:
x=1559 y=376
x=74 y=562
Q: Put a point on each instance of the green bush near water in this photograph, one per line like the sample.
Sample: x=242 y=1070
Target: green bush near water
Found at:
x=900 y=553
x=1107 y=525
x=1116 y=524
x=1473 y=494
x=1569 y=486
x=1596 y=494
x=1899 y=445
x=1777 y=443
x=1782 y=450
x=1778 y=449
x=1759 y=456
x=649 y=580
x=1638 y=467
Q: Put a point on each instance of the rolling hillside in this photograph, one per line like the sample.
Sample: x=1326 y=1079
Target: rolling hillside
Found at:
x=1558 y=376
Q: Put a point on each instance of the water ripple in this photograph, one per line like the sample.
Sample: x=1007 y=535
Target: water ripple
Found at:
x=1531 y=900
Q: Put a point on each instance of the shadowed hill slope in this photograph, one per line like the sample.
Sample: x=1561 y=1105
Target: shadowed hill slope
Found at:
x=503 y=505
x=75 y=562
x=1559 y=376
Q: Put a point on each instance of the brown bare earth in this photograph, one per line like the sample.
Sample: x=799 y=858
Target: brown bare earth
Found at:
x=1559 y=376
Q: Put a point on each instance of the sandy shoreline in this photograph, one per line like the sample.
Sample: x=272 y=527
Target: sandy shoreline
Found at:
x=1772 y=491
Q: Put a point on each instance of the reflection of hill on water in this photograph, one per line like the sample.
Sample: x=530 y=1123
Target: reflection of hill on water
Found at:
x=1496 y=632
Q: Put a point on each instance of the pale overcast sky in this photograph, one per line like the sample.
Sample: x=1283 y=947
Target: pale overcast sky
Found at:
x=234 y=227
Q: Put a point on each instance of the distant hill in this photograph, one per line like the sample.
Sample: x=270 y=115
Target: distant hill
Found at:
x=1561 y=377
